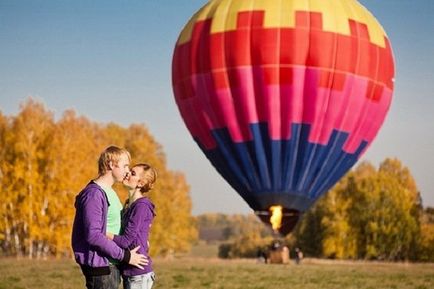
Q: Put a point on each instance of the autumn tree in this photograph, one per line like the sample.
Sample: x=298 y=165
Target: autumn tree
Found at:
x=339 y=240
x=45 y=163
x=426 y=245
x=173 y=229
x=5 y=226
x=308 y=234
x=386 y=212
x=370 y=214
x=26 y=151
x=71 y=164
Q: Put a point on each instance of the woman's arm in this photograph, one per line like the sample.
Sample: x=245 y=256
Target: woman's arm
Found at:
x=132 y=227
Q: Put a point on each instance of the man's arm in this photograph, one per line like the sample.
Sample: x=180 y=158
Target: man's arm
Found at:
x=92 y=206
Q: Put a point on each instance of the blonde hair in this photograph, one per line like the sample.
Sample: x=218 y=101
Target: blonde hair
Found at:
x=148 y=176
x=110 y=154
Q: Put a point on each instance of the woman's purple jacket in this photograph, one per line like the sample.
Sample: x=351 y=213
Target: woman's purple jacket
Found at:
x=136 y=224
x=89 y=242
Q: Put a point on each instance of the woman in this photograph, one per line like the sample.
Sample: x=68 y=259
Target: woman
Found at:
x=137 y=218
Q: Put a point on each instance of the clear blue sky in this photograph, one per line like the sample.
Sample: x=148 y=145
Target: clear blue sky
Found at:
x=111 y=61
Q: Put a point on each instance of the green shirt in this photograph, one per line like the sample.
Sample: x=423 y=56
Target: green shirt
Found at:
x=114 y=212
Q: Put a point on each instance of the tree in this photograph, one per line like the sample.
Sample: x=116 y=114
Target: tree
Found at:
x=173 y=229
x=339 y=239
x=426 y=245
x=401 y=199
x=71 y=164
x=44 y=164
x=26 y=151
x=309 y=232
x=370 y=213
x=5 y=225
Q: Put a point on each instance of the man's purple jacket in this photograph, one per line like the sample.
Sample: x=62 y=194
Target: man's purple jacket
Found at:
x=89 y=242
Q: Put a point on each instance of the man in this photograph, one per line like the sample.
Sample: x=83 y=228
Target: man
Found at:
x=92 y=249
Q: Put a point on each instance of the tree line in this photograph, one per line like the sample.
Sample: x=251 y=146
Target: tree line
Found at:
x=371 y=213
x=44 y=163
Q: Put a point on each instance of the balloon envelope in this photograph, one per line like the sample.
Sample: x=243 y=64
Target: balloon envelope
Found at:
x=283 y=97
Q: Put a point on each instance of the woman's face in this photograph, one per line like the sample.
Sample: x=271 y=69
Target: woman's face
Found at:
x=132 y=179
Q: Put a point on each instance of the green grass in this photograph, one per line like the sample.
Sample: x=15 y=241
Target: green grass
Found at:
x=195 y=273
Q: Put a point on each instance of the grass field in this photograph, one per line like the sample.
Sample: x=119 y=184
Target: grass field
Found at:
x=195 y=273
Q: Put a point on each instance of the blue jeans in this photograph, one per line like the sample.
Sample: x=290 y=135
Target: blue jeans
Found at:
x=144 y=281
x=111 y=281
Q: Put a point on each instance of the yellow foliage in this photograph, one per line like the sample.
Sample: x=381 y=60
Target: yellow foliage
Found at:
x=427 y=242
x=44 y=164
x=370 y=213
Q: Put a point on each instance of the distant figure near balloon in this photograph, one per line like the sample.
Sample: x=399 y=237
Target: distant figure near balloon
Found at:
x=283 y=97
x=298 y=256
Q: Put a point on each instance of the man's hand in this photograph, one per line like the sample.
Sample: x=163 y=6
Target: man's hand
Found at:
x=138 y=260
x=110 y=236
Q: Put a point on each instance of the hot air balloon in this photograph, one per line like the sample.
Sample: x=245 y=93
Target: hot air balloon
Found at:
x=283 y=97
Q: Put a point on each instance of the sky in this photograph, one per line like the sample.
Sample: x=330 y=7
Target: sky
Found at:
x=111 y=62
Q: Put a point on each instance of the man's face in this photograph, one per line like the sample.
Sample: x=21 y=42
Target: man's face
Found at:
x=121 y=168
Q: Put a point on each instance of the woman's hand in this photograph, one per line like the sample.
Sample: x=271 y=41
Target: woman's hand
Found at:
x=110 y=235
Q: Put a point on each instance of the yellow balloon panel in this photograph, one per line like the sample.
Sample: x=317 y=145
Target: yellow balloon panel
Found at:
x=335 y=16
